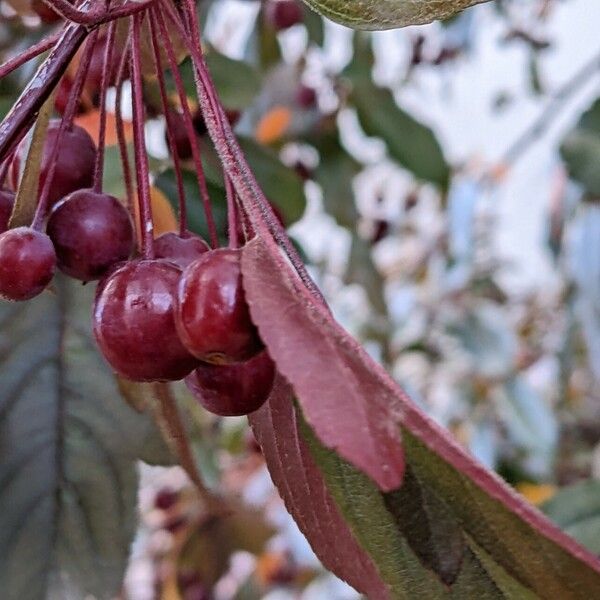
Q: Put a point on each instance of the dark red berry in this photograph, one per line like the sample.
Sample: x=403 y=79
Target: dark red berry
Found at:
x=75 y=160
x=183 y=145
x=213 y=319
x=233 y=116
x=91 y=232
x=134 y=322
x=166 y=498
x=283 y=14
x=96 y=68
x=191 y=586
x=306 y=97
x=181 y=250
x=63 y=94
x=7 y=200
x=233 y=390
x=27 y=263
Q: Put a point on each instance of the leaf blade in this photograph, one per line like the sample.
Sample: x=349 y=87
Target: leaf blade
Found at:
x=388 y=14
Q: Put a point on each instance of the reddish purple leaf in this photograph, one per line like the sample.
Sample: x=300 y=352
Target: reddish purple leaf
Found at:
x=303 y=490
x=355 y=409
x=342 y=399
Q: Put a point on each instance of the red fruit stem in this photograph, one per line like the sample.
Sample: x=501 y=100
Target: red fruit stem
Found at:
x=189 y=126
x=66 y=122
x=232 y=221
x=231 y=155
x=169 y=125
x=14 y=63
x=122 y=141
x=139 y=144
x=24 y=111
x=107 y=69
x=97 y=16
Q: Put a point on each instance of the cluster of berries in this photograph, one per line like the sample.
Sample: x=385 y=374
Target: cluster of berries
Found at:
x=180 y=314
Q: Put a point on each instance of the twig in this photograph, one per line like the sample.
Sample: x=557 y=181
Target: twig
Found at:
x=556 y=104
x=172 y=426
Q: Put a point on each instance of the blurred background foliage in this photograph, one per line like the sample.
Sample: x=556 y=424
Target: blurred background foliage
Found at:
x=401 y=233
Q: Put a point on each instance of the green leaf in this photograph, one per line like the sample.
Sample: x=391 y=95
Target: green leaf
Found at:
x=409 y=142
x=419 y=516
x=576 y=509
x=281 y=185
x=314 y=27
x=437 y=536
x=237 y=82
x=388 y=14
x=335 y=173
x=580 y=150
x=68 y=492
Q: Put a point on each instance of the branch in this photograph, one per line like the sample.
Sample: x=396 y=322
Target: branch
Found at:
x=24 y=111
x=556 y=104
x=98 y=16
x=14 y=63
x=172 y=427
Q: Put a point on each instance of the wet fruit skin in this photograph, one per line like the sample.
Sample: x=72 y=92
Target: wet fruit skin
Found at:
x=233 y=390
x=212 y=316
x=91 y=232
x=7 y=200
x=283 y=14
x=183 y=251
x=76 y=158
x=27 y=263
x=134 y=322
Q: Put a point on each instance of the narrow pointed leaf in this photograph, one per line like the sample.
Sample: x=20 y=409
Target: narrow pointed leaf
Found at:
x=467 y=527
x=305 y=494
x=342 y=401
x=577 y=510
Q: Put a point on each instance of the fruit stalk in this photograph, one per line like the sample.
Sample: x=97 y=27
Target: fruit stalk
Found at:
x=24 y=111
x=17 y=61
x=121 y=139
x=232 y=156
x=66 y=121
x=169 y=125
x=106 y=71
x=141 y=158
x=157 y=20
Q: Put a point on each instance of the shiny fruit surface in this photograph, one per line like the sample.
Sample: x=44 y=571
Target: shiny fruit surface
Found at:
x=27 y=263
x=213 y=318
x=91 y=232
x=134 y=322
x=181 y=250
x=233 y=390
